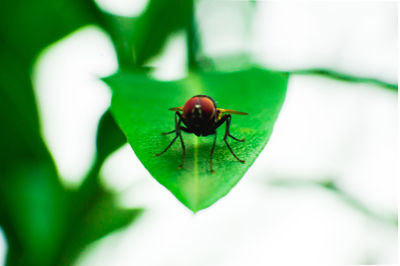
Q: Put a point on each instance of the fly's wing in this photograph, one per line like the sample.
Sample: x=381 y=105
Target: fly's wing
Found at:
x=230 y=111
x=180 y=108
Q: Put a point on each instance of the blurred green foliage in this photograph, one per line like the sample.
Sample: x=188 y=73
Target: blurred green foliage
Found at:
x=46 y=223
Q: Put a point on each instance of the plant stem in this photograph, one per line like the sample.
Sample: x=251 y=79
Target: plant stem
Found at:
x=192 y=39
x=345 y=77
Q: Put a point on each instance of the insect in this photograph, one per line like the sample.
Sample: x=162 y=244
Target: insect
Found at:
x=201 y=117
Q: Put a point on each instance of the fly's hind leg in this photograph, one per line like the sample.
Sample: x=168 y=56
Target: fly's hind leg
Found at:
x=241 y=140
x=228 y=124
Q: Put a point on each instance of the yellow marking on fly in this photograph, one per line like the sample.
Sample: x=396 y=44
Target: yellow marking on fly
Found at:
x=230 y=111
x=180 y=109
x=221 y=112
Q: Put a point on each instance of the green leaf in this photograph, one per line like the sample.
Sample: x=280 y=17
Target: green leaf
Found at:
x=26 y=26
x=159 y=20
x=140 y=106
x=121 y=30
x=19 y=135
x=102 y=217
x=137 y=39
x=33 y=214
x=109 y=136
x=35 y=209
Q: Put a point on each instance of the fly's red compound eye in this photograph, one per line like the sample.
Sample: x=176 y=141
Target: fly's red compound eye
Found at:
x=201 y=105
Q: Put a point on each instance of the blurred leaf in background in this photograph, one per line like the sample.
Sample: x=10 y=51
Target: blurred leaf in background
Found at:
x=33 y=202
x=138 y=39
x=45 y=223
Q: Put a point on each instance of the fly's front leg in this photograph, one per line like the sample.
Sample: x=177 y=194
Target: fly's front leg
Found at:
x=221 y=121
x=228 y=118
x=240 y=140
x=172 y=131
x=178 y=133
x=178 y=119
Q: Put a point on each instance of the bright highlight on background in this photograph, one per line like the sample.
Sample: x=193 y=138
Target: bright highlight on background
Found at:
x=3 y=246
x=71 y=98
x=127 y=8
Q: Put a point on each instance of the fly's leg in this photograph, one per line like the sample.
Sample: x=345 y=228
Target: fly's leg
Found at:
x=173 y=131
x=169 y=132
x=212 y=152
x=178 y=134
x=172 y=142
x=221 y=121
x=169 y=145
x=228 y=124
x=241 y=140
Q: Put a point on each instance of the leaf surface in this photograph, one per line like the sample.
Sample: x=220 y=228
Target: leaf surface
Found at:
x=140 y=106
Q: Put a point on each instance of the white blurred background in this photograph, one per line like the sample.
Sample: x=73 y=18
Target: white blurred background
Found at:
x=328 y=130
